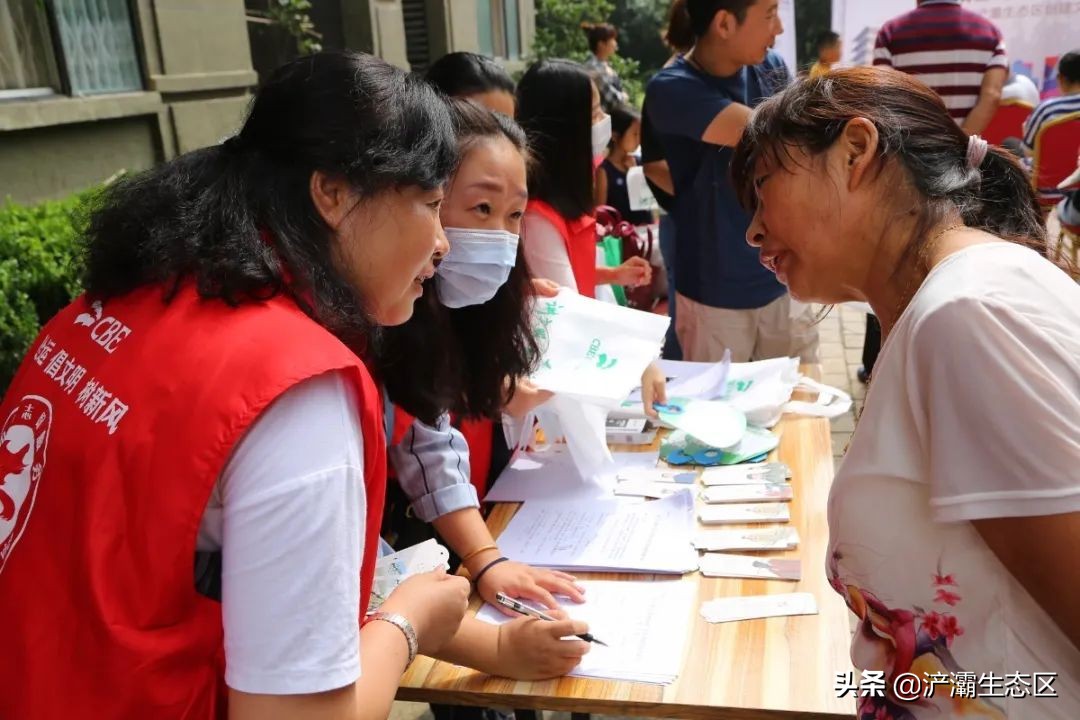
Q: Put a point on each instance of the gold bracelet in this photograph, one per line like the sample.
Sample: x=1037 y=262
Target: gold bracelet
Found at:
x=477 y=551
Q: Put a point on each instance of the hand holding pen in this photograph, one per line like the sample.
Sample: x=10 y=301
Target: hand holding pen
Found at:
x=523 y=609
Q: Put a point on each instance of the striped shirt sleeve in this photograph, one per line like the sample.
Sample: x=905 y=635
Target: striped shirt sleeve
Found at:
x=999 y=58
x=432 y=465
x=882 y=54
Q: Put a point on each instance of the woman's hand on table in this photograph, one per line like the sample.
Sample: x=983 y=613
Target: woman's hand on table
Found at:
x=529 y=584
x=653 y=389
x=531 y=649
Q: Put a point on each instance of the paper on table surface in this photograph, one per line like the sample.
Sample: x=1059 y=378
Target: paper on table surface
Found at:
x=644 y=623
x=749 y=566
x=750 y=607
x=748 y=539
x=759 y=492
x=604 y=535
x=550 y=474
x=745 y=474
x=744 y=513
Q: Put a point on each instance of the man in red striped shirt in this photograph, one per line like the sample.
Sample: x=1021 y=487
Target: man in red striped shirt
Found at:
x=958 y=53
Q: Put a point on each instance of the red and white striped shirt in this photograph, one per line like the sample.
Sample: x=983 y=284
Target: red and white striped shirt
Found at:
x=946 y=47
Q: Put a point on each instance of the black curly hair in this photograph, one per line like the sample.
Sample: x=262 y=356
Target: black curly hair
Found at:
x=238 y=218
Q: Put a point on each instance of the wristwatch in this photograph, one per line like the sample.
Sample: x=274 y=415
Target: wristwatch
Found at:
x=404 y=626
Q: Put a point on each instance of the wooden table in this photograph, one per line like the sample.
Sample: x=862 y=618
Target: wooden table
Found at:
x=750 y=670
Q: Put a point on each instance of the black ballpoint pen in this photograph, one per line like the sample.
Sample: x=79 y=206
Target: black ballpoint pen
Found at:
x=523 y=609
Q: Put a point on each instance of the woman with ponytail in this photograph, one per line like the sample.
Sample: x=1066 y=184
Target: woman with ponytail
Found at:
x=955 y=516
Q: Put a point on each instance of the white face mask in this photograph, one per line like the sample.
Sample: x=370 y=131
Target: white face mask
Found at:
x=478 y=264
x=601 y=135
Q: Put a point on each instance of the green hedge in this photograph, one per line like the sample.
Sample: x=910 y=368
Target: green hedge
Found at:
x=40 y=268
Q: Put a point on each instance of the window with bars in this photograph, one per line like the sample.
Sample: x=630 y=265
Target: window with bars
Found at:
x=498 y=31
x=79 y=47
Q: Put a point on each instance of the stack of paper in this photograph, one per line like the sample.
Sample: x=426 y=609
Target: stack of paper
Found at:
x=645 y=625
x=604 y=535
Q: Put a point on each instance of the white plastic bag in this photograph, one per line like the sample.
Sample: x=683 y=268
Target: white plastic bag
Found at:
x=763 y=391
x=583 y=427
x=593 y=352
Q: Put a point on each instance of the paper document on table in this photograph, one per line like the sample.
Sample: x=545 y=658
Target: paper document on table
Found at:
x=746 y=539
x=604 y=535
x=551 y=475
x=714 y=564
x=750 y=607
x=645 y=625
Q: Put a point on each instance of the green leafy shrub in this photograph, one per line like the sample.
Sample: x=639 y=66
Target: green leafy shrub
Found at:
x=40 y=268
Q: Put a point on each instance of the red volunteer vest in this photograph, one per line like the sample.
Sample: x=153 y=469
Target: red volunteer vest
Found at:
x=477 y=434
x=579 y=236
x=115 y=429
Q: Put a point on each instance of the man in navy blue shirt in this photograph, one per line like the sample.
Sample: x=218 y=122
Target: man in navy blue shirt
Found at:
x=698 y=106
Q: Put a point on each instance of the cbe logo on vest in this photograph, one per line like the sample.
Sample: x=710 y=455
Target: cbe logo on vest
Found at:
x=107 y=333
x=23 y=441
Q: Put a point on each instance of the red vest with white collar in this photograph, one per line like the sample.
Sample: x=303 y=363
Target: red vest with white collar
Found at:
x=112 y=435
x=579 y=238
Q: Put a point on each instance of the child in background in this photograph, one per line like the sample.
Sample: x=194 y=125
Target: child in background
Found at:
x=611 y=180
x=828 y=54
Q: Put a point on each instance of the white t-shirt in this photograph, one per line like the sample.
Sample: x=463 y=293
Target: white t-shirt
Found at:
x=545 y=250
x=973 y=413
x=288 y=515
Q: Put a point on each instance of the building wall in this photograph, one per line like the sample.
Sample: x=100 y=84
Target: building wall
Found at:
x=197 y=77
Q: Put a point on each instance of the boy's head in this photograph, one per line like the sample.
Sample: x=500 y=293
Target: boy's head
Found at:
x=746 y=28
x=1069 y=73
x=828 y=47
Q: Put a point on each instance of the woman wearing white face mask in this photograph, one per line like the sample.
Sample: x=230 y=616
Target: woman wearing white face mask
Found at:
x=465 y=351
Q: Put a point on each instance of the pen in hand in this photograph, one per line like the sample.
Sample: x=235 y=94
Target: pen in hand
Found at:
x=523 y=609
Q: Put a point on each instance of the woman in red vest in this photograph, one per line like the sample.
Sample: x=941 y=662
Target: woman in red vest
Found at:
x=206 y=398
x=559 y=107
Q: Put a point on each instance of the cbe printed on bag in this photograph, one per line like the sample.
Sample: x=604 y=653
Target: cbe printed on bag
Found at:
x=763 y=390
x=592 y=355
x=592 y=351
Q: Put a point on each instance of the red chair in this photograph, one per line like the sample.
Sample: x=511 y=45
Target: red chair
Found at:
x=1008 y=121
x=1054 y=158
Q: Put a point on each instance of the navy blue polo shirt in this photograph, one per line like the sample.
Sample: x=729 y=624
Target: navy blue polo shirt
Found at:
x=713 y=265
